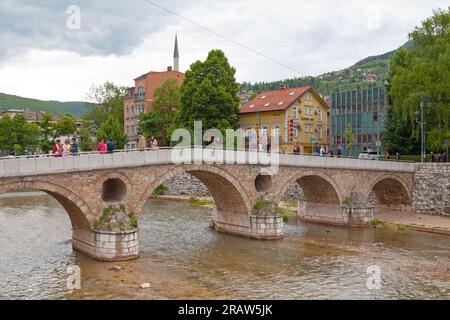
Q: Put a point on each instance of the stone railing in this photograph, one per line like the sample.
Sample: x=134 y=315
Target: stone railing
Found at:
x=37 y=165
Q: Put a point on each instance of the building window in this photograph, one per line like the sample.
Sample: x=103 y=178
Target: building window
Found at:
x=276 y=131
x=311 y=129
x=295 y=133
x=319 y=114
x=295 y=113
x=319 y=133
x=375 y=116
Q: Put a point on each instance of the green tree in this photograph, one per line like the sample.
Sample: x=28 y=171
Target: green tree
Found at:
x=150 y=125
x=349 y=138
x=18 y=136
x=210 y=94
x=51 y=131
x=87 y=135
x=421 y=74
x=161 y=120
x=112 y=130
x=107 y=101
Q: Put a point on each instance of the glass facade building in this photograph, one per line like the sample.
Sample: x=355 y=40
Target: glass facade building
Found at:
x=365 y=109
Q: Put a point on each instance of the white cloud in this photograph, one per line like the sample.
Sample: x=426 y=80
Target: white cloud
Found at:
x=120 y=41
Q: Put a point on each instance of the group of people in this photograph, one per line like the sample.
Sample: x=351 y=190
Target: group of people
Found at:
x=69 y=147
x=388 y=156
x=440 y=157
x=105 y=147
x=318 y=150
x=143 y=143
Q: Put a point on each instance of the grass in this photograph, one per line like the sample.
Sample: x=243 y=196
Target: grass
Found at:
x=261 y=204
x=392 y=226
x=286 y=214
x=292 y=203
x=193 y=201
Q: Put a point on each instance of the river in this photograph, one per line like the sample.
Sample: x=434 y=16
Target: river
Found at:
x=182 y=258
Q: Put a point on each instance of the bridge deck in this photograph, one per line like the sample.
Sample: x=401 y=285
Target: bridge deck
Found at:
x=23 y=166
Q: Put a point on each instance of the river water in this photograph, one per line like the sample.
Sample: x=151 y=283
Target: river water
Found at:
x=182 y=258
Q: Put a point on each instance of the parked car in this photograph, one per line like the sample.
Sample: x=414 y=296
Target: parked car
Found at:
x=369 y=156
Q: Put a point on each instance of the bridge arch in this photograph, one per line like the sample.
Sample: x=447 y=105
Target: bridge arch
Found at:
x=228 y=193
x=79 y=213
x=390 y=191
x=115 y=187
x=317 y=187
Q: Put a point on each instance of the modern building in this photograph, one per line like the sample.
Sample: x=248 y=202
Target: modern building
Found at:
x=140 y=98
x=297 y=115
x=365 y=109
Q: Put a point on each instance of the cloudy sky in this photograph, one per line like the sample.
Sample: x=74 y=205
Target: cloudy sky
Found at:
x=55 y=50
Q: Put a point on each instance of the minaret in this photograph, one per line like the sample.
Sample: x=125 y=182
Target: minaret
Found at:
x=176 y=56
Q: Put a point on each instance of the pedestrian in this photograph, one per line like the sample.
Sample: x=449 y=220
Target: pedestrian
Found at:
x=154 y=143
x=110 y=146
x=388 y=155
x=66 y=149
x=75 y=148
x=142 y=143
x=296 y=150
x=322 y=151
x=57 y=149
x=101 y=148
x=433 y=157
x=397 y=155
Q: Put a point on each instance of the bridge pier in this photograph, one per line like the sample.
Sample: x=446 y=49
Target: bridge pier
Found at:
x=357 y=215
x=107 y=246
x=250 y=226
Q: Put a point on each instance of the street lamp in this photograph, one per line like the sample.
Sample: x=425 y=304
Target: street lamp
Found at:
x=422 y=128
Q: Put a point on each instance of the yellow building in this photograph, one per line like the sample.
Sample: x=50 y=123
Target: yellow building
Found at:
x=297 y=115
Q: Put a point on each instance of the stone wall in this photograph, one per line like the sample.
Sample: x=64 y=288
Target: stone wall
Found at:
x=431 y=192
x=185 y=184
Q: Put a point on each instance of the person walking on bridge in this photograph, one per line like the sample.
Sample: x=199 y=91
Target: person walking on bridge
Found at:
x=101 y=148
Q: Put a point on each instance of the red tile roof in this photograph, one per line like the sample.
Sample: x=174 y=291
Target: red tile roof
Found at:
x=274 y=100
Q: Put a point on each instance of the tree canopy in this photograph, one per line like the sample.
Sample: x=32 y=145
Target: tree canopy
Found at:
x=112 y=130
x=17 y=136
x=210 y=94
x=416 y=75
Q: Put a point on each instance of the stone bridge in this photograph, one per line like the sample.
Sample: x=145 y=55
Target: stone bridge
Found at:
x=336 y=191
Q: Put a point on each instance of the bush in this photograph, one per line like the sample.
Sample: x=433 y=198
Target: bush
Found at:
x=160 y=191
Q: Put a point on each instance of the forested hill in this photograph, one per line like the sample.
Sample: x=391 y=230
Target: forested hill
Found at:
x=369 y=71
x=54 y=107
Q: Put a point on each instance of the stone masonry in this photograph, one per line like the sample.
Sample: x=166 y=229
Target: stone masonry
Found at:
x=328 y=194
x=431 y=193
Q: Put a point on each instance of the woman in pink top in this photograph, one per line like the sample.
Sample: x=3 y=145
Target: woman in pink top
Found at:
x=102 y=148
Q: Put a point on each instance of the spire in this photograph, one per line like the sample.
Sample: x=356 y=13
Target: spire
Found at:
x=176 y=55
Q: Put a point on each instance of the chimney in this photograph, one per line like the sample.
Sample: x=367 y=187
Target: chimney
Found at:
x=283 y=86
x=169 y=68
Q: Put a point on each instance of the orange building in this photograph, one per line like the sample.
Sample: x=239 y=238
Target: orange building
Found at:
x=140 y=98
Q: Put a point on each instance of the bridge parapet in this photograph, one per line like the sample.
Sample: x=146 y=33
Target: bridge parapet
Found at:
x=19 y=167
